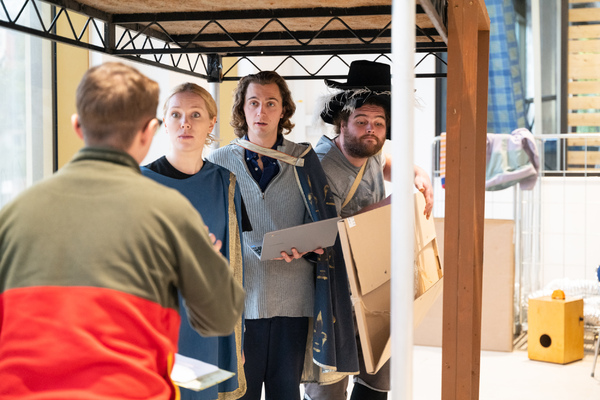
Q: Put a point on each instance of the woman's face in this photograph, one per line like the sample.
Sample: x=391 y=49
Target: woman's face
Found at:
x=187 y=122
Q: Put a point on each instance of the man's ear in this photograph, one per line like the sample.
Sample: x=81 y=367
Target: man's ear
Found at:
x=148 y=133
x=343 y=127
x=76 y=125
x=143 y=139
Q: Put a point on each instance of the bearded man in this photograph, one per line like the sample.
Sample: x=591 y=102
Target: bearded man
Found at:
x=356 y=168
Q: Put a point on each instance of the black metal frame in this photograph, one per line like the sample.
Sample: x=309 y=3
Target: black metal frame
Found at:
x=142 y=38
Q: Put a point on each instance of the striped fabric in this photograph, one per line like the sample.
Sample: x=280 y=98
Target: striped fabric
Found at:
x=268 y=282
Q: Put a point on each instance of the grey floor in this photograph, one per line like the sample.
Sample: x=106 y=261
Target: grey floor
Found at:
x=511 y=376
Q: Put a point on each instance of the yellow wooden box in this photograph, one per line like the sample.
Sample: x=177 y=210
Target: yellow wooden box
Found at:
x=555 y=332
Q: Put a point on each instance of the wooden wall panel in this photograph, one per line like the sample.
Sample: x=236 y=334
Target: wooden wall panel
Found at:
x=584 y=142
x=583 y=66
x=588 y=45
x=584 y=119
x=584 y=87
x=584 y=15
x=583 y=103
x=584 y=31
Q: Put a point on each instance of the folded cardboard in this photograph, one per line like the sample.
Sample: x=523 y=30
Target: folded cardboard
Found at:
x=366 y=245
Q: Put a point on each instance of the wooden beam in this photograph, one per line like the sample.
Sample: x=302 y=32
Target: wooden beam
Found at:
x=583 y=119
x=584 y=87
x=468 y=52
x=584 y=31
x=591 y=142
x=580 y=157
x=587 y=14
x=583 y=103
x=585 y=46
x=583 y=66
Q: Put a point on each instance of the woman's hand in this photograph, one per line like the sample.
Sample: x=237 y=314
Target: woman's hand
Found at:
x=216 y=243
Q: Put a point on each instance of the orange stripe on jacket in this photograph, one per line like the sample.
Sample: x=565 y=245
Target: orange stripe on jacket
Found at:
x=84 y=342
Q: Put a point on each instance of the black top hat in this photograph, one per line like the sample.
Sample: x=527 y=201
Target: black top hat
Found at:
x=373 y=75
x=366 y=80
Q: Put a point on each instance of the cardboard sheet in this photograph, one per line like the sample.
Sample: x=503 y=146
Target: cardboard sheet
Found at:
x=365 y=240
x=365 y=248
x=497 y=305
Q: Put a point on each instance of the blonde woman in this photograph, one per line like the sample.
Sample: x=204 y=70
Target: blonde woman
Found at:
x=190 y=114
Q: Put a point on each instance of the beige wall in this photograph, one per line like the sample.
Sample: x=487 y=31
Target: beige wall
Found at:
x=225 y=102
x=71 y=64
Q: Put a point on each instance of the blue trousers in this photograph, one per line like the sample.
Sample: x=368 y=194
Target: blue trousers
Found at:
x=274 y=351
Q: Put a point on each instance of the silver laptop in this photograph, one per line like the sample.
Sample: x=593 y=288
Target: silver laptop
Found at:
x=305 y=237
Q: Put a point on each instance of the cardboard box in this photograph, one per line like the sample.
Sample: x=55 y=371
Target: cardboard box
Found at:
x=369 y=272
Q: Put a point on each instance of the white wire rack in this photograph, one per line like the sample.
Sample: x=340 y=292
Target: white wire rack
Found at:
x=555 y=222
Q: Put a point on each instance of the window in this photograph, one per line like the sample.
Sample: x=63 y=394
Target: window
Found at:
x=26 y=106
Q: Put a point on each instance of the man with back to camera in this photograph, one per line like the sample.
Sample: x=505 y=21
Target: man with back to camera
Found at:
x=356 y=168
x=91 y=260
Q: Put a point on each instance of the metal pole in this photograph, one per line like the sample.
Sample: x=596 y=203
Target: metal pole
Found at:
x=214 y=89
x=402 y=235
x=537 y=67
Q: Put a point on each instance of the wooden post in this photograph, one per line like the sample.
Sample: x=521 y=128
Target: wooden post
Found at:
x=468 y=52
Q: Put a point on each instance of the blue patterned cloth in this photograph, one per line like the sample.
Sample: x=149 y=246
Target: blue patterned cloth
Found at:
x=506 y=106
x=334 y=343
